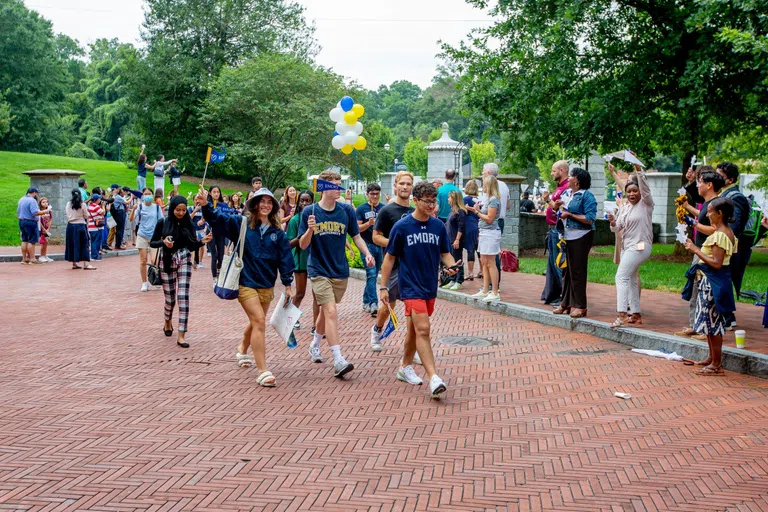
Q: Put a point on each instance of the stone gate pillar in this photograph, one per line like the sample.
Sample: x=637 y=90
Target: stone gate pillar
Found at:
x=56 y=185
x=664 y=187
x=442 y=156
x=510 y=239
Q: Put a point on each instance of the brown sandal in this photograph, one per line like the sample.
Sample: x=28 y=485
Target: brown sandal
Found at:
x=687 y=331
x=635 y=318
x=578 y=313
x=560 y=310
x=710 y=371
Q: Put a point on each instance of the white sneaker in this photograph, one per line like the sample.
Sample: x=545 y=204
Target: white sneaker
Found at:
x=479 y=295
x=44 y=259
x=437 y=386
x=200 y=265
x=366 y=308
x=407 y=374
x=375 y=339
x=145 y=287
x=492 y=297
x=314 y=354
x=456 y=286
x=417 y=359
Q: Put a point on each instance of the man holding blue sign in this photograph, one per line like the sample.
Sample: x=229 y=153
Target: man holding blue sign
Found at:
x=323 y=233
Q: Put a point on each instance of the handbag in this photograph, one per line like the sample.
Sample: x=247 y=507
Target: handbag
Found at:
x=111 y=222
x=153 y=271
x=227 y=285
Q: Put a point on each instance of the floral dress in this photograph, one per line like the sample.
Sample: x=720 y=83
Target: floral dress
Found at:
x=707 y=319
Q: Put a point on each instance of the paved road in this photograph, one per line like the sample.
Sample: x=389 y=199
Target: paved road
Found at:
x=100 y=411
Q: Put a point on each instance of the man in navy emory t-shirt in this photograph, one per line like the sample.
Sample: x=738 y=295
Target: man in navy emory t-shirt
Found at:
x=419 y=242
x=323 y=232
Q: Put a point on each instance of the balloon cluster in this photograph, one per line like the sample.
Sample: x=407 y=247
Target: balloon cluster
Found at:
x=348 y=129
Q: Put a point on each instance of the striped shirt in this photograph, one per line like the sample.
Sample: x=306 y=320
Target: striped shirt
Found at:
x=95 y=216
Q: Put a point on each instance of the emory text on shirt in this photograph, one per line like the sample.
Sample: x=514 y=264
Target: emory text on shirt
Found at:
x=423 y=238
x=330 y=227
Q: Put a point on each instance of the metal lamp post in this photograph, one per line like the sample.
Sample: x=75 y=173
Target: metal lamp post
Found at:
x=395 y=169
x=386 y=155
x=119 y=149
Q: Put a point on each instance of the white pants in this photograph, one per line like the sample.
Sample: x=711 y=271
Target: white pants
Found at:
x=628 y=279
x=160 y=184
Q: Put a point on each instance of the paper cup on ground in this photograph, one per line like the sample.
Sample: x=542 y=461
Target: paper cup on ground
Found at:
x=741 y=337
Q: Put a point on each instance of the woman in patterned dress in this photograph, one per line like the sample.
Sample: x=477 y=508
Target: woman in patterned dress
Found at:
x=715 y=296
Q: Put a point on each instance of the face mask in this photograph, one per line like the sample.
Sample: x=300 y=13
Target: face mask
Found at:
x=147 y=199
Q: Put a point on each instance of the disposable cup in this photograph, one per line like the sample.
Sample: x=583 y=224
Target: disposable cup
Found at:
x=741 y=338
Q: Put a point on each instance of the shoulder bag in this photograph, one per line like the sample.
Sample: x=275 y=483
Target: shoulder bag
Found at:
x=228 y=283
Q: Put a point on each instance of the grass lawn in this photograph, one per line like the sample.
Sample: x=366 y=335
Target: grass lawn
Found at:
x=655 y=274
x=101 y=173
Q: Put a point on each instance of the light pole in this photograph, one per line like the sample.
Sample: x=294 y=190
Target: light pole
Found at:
x=395 y=169
x=119 y=149
x=386 y=156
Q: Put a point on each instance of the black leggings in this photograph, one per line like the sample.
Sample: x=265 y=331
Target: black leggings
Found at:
x=216 y=246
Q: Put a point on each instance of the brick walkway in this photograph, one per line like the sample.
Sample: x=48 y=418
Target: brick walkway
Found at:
x=662 y=311
x=100 y=411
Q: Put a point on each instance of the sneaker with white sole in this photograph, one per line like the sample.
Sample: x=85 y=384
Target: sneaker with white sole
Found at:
x=341 y=368
x=200 y=265
x=407 y=374
x=456 y=286
x=144 y=287
x=367 y=308
x=375 y=339
x=447 y=286
x=314 y=354
x=492 y=297
x=479 y=295
x=417 y=359
x=437 y=386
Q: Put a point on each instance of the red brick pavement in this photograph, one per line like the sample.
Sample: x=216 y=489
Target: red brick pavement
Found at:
x=100 y=411
x=662 y=311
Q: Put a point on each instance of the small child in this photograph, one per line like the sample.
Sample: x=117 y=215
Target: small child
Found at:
x=45 y=230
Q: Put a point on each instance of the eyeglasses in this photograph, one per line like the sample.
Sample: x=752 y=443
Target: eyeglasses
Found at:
x=428 y=203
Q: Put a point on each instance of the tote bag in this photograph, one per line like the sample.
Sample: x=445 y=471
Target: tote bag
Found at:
x=228 y=283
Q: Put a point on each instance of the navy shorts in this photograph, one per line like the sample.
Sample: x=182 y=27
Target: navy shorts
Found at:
x=29 y=231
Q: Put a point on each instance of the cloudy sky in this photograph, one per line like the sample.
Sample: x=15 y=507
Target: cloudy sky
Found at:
x=373 y=42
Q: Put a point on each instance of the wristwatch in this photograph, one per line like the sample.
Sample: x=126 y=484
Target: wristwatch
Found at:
x=384 y=288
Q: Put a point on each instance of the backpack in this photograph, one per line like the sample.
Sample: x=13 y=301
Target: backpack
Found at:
x=752 y=228
x=509 y=262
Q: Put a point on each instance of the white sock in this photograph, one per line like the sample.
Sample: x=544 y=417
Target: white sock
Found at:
x=336 y=351
x=316 y=339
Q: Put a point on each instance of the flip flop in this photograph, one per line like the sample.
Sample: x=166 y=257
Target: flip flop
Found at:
x=710 y=371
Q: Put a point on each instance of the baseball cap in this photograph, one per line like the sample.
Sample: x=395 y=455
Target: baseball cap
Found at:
x=115 y=185
x=33 y=190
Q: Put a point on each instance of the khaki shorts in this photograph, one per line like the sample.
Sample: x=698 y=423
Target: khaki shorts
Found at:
x=141 y=242
x=327 y=289
x=265 y=295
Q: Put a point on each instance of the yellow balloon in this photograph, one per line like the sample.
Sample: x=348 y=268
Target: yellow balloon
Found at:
x=358 y=110
x=347 y=149
x=350 y=117
x=360 y=144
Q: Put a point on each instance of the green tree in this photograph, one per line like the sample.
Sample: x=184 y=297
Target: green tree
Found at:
x=34 y=80
x=607 y=74
x=188 y=44
x=481 y=153
x=416 y=157
x=271 y=112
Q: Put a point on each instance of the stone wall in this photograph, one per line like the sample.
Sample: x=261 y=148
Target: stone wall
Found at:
x=57 y=186
x=533 y=229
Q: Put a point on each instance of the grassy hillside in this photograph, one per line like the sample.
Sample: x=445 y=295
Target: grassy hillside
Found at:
x=13 y=184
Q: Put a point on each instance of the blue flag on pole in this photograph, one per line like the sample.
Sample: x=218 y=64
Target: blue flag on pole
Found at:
x=319 y=185
x=218 y=156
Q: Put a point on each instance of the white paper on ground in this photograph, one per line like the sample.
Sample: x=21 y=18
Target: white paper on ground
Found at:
x=657 y=353
x=284 y=318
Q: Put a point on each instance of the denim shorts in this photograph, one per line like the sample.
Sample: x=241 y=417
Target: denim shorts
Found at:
x=29 y=231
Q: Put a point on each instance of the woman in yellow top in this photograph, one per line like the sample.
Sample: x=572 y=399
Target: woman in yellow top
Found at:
x=715 y=296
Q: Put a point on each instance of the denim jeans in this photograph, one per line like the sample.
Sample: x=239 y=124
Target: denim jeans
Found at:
x=141 y=182
x=369 y=294
x=95 y=237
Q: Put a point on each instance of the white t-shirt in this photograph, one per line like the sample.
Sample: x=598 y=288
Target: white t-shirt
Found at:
x=504 y=193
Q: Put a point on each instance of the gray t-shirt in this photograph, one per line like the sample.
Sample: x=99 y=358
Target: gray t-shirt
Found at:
x=148 y=216
x=490 y=203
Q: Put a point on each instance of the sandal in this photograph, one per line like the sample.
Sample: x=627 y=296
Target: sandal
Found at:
x=89 y=267
x=711 y=371
x=578 y=313
x=560 y=310
x=617 y=323
x=705 y=362
x=635 y=318
x=74 y=266
x=244 y=360
x=685 y=332
x=470 y=277
x=266 y=379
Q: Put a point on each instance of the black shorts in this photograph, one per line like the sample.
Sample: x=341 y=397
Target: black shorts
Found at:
x=29 y=231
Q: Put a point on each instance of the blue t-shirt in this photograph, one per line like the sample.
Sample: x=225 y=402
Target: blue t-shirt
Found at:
x=148 y=216
x=143 y=169
x=364 y=214
x=443 y=208
x=472 y=218
x=327 y=256
x=27 y=208
x=197 y=217
x=175 y=172
x=418 y=246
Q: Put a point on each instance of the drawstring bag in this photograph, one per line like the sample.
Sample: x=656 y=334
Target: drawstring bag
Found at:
x=228 y=283
x=508 y=260
x=560 y=259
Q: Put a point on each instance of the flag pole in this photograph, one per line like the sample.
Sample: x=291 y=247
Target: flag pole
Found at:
x=204 y=173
